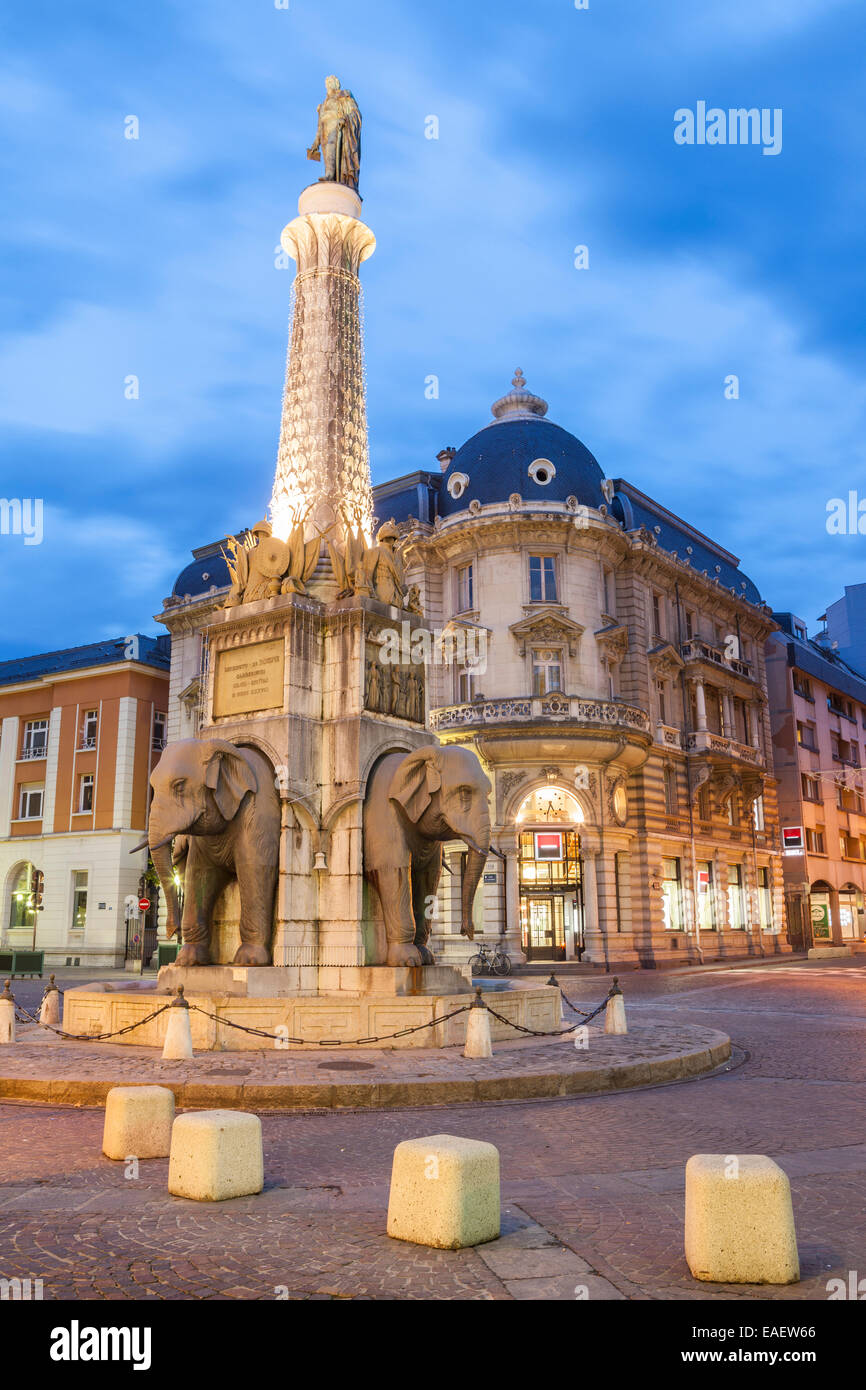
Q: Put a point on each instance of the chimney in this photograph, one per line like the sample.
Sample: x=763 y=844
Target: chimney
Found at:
x=444 y=457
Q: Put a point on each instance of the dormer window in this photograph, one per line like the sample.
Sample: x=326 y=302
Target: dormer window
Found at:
x=457 y=485
x=542 y=471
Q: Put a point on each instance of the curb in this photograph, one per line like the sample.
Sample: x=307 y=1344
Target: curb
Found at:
x=377 y=1095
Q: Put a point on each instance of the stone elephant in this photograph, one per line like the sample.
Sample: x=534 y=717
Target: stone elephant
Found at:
x=219 y=804
x=414 y=802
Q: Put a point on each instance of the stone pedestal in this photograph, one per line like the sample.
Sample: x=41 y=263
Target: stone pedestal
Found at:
x=274 y=982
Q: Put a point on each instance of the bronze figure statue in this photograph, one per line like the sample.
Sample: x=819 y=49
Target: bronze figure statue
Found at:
x=338 y=136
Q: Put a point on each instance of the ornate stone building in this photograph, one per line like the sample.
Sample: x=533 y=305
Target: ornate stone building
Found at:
x=606 y=662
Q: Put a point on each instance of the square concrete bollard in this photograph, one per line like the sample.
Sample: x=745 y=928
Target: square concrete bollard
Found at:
x=444 y=1192
x=216 y=1154
x=138 y=1122
x=739 y=1220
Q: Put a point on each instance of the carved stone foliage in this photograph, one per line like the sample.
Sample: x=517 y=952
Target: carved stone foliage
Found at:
x=547 y=626
x=612 y=643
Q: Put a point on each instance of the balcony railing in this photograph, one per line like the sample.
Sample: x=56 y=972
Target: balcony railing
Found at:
x=525 y=709
x=696 y=649
x=86 y=745
x=703 y=741
x=37 y=751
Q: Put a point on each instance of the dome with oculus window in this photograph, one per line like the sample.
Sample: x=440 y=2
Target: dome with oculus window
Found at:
x=521 y=452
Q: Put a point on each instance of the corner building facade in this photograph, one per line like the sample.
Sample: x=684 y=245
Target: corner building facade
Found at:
x=606 y=662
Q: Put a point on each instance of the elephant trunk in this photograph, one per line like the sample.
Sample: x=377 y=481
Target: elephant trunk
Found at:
x=160 y=853
x=475 y=861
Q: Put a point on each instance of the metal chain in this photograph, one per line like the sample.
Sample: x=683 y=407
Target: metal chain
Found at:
x=555 y=1033
x=329 y=1042
x=90 y=1037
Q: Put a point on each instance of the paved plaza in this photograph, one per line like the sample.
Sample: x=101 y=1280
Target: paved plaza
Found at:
x=592 y=1185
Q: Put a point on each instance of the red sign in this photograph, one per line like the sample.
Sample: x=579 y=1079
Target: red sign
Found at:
x=143 y=904
x=548 y=844
x=792 y=838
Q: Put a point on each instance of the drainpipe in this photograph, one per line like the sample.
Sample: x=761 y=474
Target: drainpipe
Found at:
x=686 y=722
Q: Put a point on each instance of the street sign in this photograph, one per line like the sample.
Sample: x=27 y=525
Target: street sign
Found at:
x=143 y=904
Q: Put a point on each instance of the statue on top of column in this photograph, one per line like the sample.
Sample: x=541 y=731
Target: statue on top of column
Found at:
x=338 y=136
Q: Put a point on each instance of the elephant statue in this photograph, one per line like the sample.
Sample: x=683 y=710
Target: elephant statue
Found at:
x=219 y=805
x=414 y=802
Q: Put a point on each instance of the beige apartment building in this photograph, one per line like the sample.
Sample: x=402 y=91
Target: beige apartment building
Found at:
x=818 y=709
x=80 y=731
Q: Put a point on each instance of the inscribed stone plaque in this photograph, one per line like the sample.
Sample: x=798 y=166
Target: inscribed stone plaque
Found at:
x=249 y=678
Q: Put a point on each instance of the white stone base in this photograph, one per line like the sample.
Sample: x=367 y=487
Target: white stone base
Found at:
x=739 y=1220
x=288 y=981
x=828 y=952
x=138 y=1121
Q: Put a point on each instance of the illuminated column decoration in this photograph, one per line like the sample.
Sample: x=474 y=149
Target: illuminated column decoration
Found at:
x=323 y=465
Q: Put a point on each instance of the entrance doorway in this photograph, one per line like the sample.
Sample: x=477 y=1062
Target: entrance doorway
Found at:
x=551 y=896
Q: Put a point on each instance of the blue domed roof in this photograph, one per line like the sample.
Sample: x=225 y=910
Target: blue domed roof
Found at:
x=498 y=458
x=204 y=573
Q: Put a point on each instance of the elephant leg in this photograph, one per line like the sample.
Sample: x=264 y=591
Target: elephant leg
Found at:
x=394 y=887
x=203 y=883
x=256 y=884
x=425 y=882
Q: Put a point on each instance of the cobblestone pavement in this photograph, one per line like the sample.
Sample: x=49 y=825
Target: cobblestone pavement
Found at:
x=592 y=1186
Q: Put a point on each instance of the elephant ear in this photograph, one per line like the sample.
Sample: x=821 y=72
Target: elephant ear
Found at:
x=229 y=777
x=416 y=779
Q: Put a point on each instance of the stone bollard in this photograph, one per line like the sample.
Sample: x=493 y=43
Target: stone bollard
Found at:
x=739 y=1220
x=50 y=1011
x=444 y=1192
x=178 y=1035
x=555 y=985
x=614 y=1014
x=7 y=1014
x=216 y=1154
x=138 y=1121
x=478 y=1040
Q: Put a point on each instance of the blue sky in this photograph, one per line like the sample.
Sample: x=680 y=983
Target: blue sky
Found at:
x=155 y=257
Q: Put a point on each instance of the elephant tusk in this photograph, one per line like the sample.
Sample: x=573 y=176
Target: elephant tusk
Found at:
x=145 y=844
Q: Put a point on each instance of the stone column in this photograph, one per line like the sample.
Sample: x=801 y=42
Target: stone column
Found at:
x=701 y=701
x=593 y=934
x=323 y=461
x=755 y=723
x=727 y=715
x=513 y=943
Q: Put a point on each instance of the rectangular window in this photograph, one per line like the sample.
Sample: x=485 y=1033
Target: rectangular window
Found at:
x=765 y=900
x=609 y=593
x=658 y=618
x=85 y=792
x=758 y=813
x=802 y=686
x=733 y=808
x=542 y=579
x=89 y=726
x=663 y=713
x=704 y=808
x=465 y=687
x=736 y=915
x=30 y=802
x=671 y=799
x=465 y=589
x=806 y=736
x=546 y=672
x=690 y=625
x=160 y=726
x=79 y=900
x=35 y=739
x=706 y=899
x=811 y=787
x=672 y=895
x=815 y=839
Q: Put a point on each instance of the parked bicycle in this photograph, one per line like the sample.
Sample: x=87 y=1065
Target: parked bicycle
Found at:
x=490 y=961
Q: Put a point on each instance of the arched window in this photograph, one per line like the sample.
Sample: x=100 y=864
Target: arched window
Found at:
x=26 y=896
